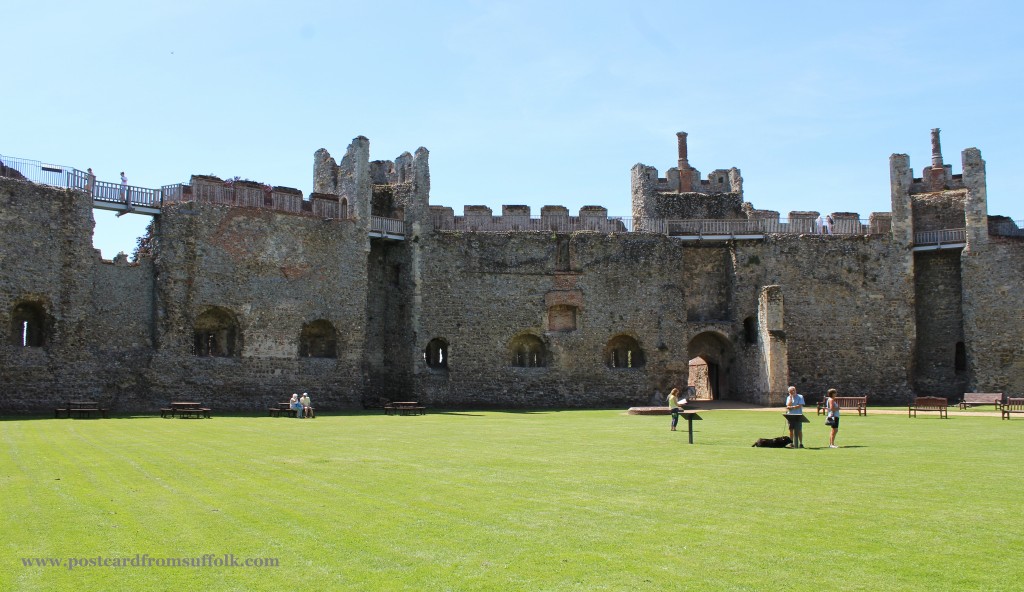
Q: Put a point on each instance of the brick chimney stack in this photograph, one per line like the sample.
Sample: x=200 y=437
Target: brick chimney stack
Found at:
x=936 y=150
x=685 y=173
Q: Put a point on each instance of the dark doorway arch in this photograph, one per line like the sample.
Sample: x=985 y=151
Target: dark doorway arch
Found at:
x=216 y=334
x=29 y=327
x=528 y=351
x=710 y=354
x=622 y=351
x=436 y=354
x=318 y=339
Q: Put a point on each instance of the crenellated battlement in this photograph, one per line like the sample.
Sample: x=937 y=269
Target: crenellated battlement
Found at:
x=519 y=218
x=234 y=192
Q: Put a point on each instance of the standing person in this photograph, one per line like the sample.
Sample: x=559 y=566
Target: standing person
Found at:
x=674 y=406
x=295 y=405
x=795 y=406
x=828 y=223
x=832 y=419
x=90 y=181
x=307 y=405
x=124 y=191
x=820 y=224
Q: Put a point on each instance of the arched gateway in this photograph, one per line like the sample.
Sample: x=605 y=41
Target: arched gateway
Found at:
x=711 y=357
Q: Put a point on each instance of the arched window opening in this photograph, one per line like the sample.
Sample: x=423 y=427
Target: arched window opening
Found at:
x=216 y=334
x=528 y=351
x=318 y=339
x=623 y=352
x=750 y=329
x=28 y=325
x=436 y=354
x=343 y=205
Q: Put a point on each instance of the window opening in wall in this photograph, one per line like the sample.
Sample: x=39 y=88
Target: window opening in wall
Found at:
x=960 y=358
x=562 y=254
x=28 y=325
x=623 y=352
x=318 y=339
x=528 y=351
x=436 y=354
x=562 y=317
x=750 y=329
x=216 y=334
x=721 y=180
x=344 y=207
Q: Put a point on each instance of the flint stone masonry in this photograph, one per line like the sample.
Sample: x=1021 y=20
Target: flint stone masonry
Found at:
x=560 y=316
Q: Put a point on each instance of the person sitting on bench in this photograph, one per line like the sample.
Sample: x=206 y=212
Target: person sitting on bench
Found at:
x=295 y=405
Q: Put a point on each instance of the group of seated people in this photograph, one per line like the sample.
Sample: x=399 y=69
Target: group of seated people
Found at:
x=301 y=405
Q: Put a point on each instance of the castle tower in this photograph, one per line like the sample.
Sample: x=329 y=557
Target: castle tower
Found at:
x=682 y=194
x=348 y=180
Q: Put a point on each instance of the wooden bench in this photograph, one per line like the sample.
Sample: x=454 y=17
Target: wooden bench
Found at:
x=971 y=399
x=281 y=410
x=404 y=408
x=186 y=409
x=81 y=409
x=847 y=403
x=196 y=412
x=940 y=404
x=1012 y=405
x=285 y=409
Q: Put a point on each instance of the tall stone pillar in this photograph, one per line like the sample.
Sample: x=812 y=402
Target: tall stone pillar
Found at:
x=643 y=179
x=900 y=179
x=976 y=203
x=771 y=340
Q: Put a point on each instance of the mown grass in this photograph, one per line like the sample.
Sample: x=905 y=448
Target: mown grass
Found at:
x=571 y=500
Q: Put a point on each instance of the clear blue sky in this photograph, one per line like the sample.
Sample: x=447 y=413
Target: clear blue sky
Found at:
x=531 y=102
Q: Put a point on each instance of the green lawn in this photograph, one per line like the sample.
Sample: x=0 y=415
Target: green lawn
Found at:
x=571 y=500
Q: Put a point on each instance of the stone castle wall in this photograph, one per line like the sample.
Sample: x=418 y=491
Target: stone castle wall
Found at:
x=994 y=315
x=849 y=320
x=567 y=315
x=939 y=320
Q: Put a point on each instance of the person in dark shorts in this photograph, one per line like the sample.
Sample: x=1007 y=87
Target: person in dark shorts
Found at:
x=832 y=419
x=795 y=406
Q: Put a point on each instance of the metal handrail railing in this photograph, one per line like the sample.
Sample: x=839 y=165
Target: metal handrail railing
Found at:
x=54 y=175
x=940 y=237
x=71 y=178
x=674 y=227
x=387 y=225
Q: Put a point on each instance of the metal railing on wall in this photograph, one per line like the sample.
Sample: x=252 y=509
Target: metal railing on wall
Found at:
x=71 y=178
x=949 y=236
x=388 y=226
x=54 y=175
x=611 y=224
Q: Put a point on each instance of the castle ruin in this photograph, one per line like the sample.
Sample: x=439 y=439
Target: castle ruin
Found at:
x=365 y=291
